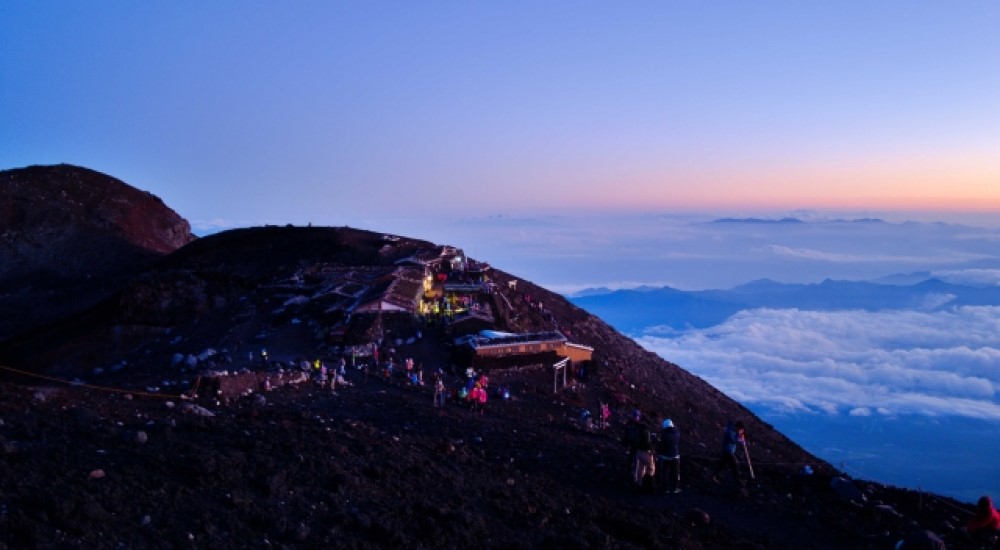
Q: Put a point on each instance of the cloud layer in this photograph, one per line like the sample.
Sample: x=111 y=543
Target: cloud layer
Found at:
x=567 y=253
x=848 y=362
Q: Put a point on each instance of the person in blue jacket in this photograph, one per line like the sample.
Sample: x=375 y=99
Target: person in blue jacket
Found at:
x=732 y=437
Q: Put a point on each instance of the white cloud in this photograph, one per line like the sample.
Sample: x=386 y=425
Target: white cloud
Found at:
x=841 y=257
x=207 y=227
x=982 y=277
x=809 y=254
x=935 y=300
x=849 y=362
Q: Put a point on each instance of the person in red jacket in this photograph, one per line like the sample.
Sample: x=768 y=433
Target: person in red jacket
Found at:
x=986 y=522
x=482 y=400
x=477 y=398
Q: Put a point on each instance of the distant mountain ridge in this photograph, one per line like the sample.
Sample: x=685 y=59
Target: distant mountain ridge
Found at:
x=789 y=220
x=632 y=311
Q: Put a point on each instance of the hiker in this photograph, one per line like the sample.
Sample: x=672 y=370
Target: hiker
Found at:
x=641 y=458
x=668 y=464
x=732 y=437
x=477 y=398
x=986 y=521
x=321 y=374
x=439 y=392
x=482 y=400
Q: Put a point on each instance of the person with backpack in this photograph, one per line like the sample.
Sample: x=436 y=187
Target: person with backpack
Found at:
x=668 y=455
x=732 y=437
x=640 y=442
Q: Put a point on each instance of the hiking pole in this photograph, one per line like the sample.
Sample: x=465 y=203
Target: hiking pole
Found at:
x=747 y=454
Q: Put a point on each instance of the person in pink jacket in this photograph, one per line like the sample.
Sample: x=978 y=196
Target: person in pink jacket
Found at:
x=477 y=398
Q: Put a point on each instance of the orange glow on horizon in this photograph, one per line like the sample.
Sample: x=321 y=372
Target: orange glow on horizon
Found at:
x=956 y=183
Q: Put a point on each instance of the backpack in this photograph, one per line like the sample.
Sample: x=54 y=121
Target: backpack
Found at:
x=638 y=437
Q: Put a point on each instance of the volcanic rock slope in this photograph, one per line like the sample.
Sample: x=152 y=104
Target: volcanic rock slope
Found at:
x=142 y=452
x=70 y=236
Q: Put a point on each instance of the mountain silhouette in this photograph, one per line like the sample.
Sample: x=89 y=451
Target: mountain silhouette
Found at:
x=73 y=236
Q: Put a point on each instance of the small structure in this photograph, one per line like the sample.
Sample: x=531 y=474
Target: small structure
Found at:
x=401 y=291
x=491 y=343
x=556 y=367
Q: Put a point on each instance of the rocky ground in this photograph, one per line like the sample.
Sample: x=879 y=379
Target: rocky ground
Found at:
x=376 y=465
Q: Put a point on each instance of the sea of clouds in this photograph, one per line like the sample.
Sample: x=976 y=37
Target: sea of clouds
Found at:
x=905 y=397
x=860 y=363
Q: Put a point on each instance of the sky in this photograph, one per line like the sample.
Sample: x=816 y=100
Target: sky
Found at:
x=347 y=113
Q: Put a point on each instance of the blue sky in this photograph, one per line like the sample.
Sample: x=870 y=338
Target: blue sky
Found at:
x=242 y=113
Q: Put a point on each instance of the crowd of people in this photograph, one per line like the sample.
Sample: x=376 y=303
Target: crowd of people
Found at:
x=654 y=461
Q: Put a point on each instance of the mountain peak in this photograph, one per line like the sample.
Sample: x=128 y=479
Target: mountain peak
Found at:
x=70 y=234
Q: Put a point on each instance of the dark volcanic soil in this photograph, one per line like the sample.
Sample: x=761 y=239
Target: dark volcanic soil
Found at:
x=376 y=466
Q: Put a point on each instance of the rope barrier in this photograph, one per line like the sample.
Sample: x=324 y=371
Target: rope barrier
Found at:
x=844 y=467
x=100 y=388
